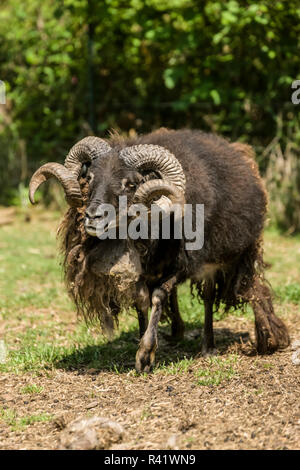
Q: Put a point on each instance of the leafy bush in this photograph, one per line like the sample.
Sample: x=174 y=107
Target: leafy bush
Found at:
x=283 y=182
x=83 y=66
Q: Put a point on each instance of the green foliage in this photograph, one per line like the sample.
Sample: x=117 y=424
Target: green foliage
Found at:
x=80 y=66
x=283 y=182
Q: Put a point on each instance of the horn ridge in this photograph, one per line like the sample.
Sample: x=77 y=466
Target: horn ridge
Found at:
x=63 y=175
x=149 y=156
x=157 y=188
x=85 y=150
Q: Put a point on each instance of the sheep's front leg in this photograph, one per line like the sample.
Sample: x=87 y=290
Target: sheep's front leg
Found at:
x=145 y=355
x=142 y=305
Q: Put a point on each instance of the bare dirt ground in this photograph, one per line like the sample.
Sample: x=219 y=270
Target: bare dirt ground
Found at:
x=258 y=407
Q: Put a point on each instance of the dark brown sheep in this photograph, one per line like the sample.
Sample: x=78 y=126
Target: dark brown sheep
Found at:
x=183 y=166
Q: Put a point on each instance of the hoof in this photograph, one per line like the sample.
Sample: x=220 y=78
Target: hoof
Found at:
x=280 y=332
x=273 y=338
x=144 y=360
x=266 y=342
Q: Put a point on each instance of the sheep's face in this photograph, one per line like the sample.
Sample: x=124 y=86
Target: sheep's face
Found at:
x=112 y=173
x=108 y=179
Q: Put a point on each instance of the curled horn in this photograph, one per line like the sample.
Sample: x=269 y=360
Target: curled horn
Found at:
x=67 y=180
x=167 y=193
x=84 y=151
x=170 y=188
x=155 y=157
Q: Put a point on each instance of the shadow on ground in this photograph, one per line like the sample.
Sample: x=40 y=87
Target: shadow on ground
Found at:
x=119 y=354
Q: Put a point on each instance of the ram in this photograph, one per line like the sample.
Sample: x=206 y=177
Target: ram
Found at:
x=169 y=170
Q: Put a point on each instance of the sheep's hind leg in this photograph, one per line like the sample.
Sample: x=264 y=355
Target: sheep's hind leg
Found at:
x=177 y=324
x=145 y=355
x=208 y=343
x=271 y=332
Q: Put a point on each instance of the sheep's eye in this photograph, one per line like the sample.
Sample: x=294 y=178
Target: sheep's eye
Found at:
x=128 y=185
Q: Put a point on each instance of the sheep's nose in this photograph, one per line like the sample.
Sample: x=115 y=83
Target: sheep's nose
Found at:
x=92 y=214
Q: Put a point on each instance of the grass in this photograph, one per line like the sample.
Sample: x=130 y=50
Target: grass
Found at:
x=18 y=423
x=289 y=293
x=175 y=368
x=218 y=369
x=31 y=389
x=41 y=332
x=283 y=253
